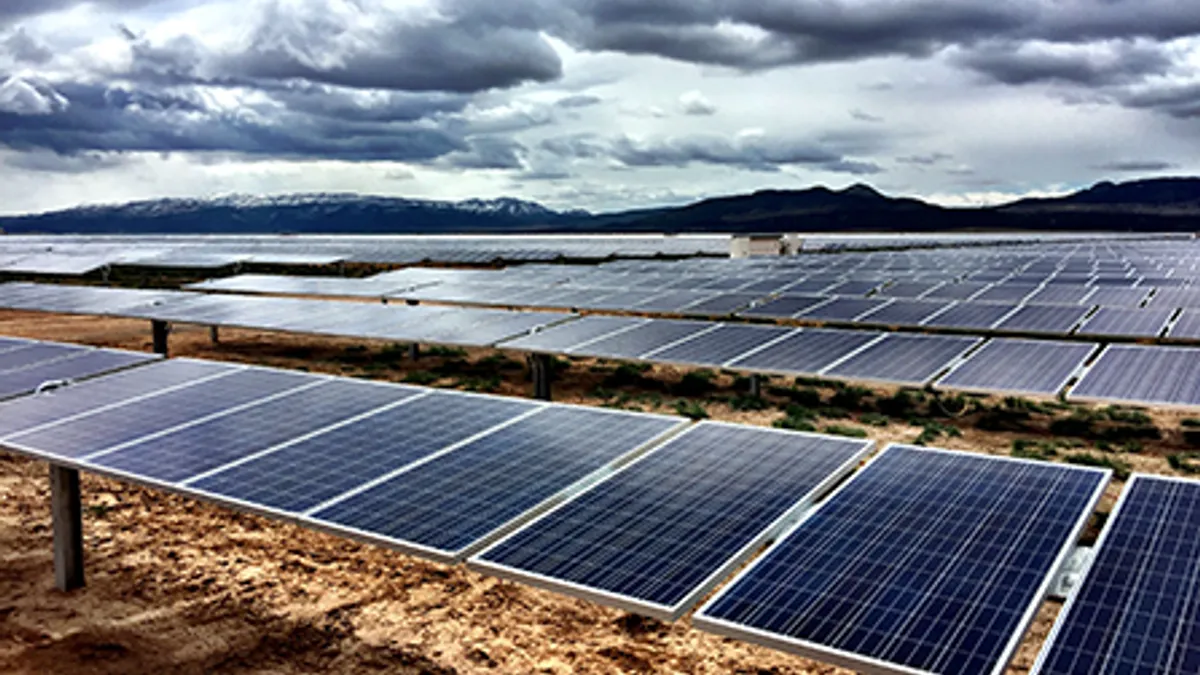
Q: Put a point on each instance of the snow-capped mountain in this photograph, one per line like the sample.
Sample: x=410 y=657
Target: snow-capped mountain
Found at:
x=344 y=213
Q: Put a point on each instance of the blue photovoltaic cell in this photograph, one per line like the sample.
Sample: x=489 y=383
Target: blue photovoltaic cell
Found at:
x=645 y=338
x=1066 y=294
x=903 y=313
x=927 y=559
x=1143 y=374
x=806 y=351
x=674 y=301
x=304 y=474
x=843 y=309
x=851 y=288
x=1187 y=326
x=25 y=414
x=1019 y=366
x=785 y=306
x=720 y=305
x=9 y=344
x=1124 y=322
x=1137 y=611
x=904 y=358
x=659 y=531
x=1051 y=319
x=79 y=366
x=452 y=503
x=85 y=435
x=716 y=347
x=1005 y=293
x=37 y=352
x=959 y=291
x=1115 y=296
x=563 y=337
x=202 y=447
x=909 y=289
x=970 y=315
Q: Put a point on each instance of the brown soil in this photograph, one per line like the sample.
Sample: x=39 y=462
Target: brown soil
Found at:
x=176 y=585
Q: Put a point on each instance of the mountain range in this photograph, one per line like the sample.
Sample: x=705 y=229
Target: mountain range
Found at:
x=1151 y=205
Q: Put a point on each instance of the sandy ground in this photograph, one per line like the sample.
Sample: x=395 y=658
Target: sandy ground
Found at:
x=176 y=585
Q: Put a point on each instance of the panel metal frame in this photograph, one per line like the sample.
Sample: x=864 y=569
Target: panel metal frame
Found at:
x=868 y=665
x=629 y=603
x=1061 y=620
x=945 y=369
x=1162 y=405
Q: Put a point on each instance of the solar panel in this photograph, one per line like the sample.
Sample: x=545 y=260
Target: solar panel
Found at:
x=1124 y=322
x=635 y=342
x=562 y=337
x=9 y=344
x=854 y=287
x=909 y=289
x=1115 y=296
x=27 y=413
x=721 y=305
x=1045 y=319
x=300 y=475
x=903 y=313
x=843 y=309
x=806 y=351
x=927 y=561
x=970 y=315
x=211 y=443
x=1142 y=374
x=35 y=353
x=716 y=347
x=1186 y=326
x=1005 y=293
x=451 y=506
x=785 y=306
x=1136 y=610
x=955 y=291
x=903 y=358
x=659 y=534
x=1069 y=294
x=109 y=427
x=77 y=366
x=673 y=301
x=1041 y=367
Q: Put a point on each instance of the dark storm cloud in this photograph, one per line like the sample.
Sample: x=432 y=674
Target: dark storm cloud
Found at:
x=100 y=119
x=24 y=49
x=488 y=152
x=752 y=153
x=1089 y=66
x=1181 y=101
x=49 y=162
x=1136 y=165
x=11 y=10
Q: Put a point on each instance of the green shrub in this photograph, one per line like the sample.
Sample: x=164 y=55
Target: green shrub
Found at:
x=446 y=352
x=626 y=374
x=900 y=404
x=484 y=384
x=874 y=419
x=1018 y=403
x=850 y=397
x=745 y=403
x=843 y=430
x=1185 y=462
x=691 y=409
x=1075 y=425
x=810 y=398
x=1192 y=437
x=1031 y=449
x=1120 y=469
x=422 y=377
x=934 y=431
x=695 y=383
x=1003 y=419
x=1127 y=415
x=499 y=362
x=795 y=424
x=1190 y=422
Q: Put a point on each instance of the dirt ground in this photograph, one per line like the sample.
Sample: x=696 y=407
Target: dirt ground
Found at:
x=179 y=586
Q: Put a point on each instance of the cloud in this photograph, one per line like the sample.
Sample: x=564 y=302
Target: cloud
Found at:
x=925 y=160
x=24 y=49
x=695 y=103
x=864 y=116
x=361 y=44
x=49 y=162
x=1092 y=65
x=1137 y=165
x=94 y=118
x=1177 y=99
x=488 y=152
x=749 y=151
x=24 y=98
x=578 y=101
x=11 y=10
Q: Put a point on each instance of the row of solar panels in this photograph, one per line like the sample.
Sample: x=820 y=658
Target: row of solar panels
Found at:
x=938 y=309
x=1137 y=374
x=925 y=561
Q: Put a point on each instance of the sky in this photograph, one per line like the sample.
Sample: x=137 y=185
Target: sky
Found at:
x=594 y=104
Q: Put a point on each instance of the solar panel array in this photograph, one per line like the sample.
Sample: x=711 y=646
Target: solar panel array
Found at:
x=926 y=561
x=1138 y=607
x=457 y=472
x=1150 y=375
x=657 y=536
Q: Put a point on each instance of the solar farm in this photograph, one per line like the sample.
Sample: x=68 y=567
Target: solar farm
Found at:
x=621 y=455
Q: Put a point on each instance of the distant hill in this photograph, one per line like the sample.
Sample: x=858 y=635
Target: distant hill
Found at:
x=1162 y=204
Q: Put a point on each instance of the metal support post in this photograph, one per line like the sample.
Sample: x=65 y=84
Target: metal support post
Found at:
x=414 y=351
x=755 y=386
x=540 y=367
x=214 y=334
x=160 y=331
x=67 y=514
